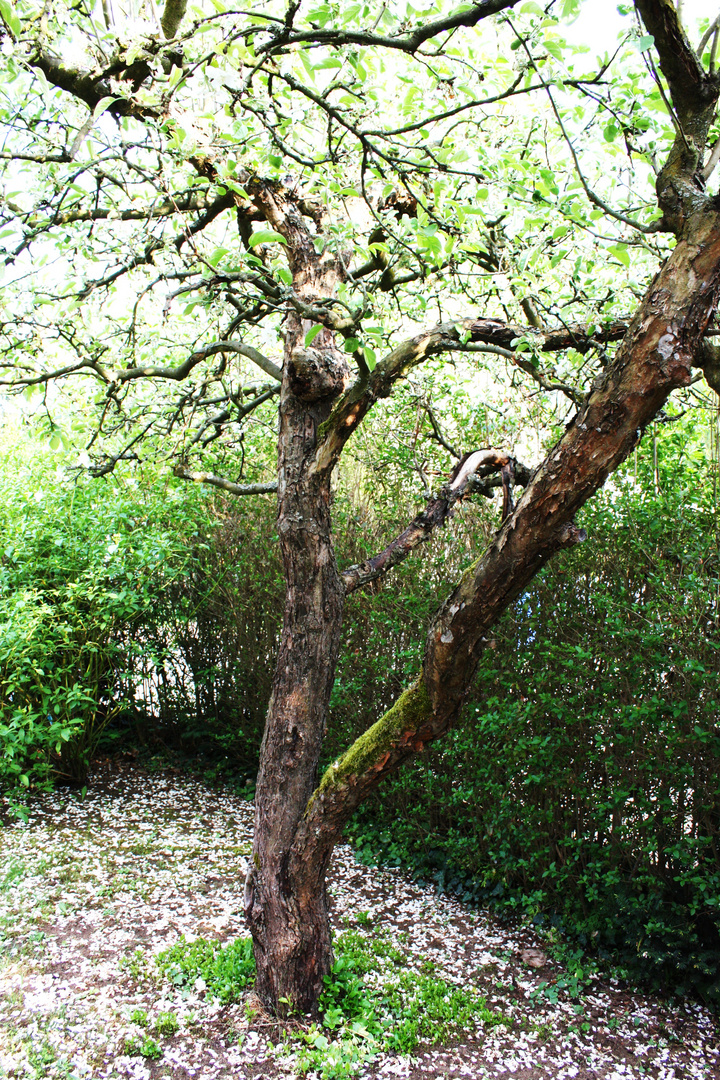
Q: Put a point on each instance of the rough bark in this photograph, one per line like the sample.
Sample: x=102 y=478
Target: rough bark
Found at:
x=286 y=906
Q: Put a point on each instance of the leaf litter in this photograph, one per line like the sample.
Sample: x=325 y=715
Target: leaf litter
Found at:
x=93 y=891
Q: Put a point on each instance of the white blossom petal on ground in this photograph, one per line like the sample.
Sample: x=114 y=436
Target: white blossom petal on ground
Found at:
x=91 y=891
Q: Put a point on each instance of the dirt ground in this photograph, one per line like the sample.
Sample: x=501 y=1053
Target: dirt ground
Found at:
x=92 y=890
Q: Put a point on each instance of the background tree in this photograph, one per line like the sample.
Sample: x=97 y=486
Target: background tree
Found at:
x=326 y=175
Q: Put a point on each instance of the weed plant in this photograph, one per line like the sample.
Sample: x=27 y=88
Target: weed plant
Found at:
x=224 y=971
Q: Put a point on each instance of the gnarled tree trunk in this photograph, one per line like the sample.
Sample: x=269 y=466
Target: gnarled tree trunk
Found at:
x=285 y=904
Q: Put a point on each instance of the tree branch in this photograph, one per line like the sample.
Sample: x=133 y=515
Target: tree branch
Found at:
x=471 y=477
x=359 y=399
x=708 y=360
x=183 y=370
x=90 y=87
x=688 y=81
x=224 y=485
x=172 y=16
x=172 y=205
x=680 y=185
x=408 y=43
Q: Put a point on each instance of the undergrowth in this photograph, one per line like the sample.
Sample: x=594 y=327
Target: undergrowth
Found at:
x=373 y=1002
x=224 y=971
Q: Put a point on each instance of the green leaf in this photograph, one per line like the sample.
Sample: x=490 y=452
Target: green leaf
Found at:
x=313 y=333
x=266 y=236
x=103 y=105
x=351 y=345
x=645 y=42
x=10 y=18
x=176 y=74
x=620 y=252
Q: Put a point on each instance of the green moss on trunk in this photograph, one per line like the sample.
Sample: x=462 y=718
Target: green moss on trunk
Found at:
x=396 y=730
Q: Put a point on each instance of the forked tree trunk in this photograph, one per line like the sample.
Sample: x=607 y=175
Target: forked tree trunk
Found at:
x=654 y=359
x=298 y=821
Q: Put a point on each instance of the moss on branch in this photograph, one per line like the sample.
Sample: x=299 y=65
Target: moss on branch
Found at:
x=385 y=744
x=173 y=15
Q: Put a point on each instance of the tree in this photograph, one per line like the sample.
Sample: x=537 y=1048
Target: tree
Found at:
x=327 y=173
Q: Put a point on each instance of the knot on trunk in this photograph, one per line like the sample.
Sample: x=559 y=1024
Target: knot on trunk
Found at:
x=569 y=535
x=315 y=374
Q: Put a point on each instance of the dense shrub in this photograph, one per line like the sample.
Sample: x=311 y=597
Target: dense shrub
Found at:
x=82 y=566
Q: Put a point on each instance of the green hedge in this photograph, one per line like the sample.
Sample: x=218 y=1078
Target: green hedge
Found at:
x=83 y=565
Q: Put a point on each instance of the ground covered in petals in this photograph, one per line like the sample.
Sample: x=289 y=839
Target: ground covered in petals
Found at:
x=120 y=920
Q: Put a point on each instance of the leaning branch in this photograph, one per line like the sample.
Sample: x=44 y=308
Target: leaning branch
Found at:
x=471 y=477
x=172 y=16
x=654 y=359
x=689 y=83
x=680 y=185
x=179 y=204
